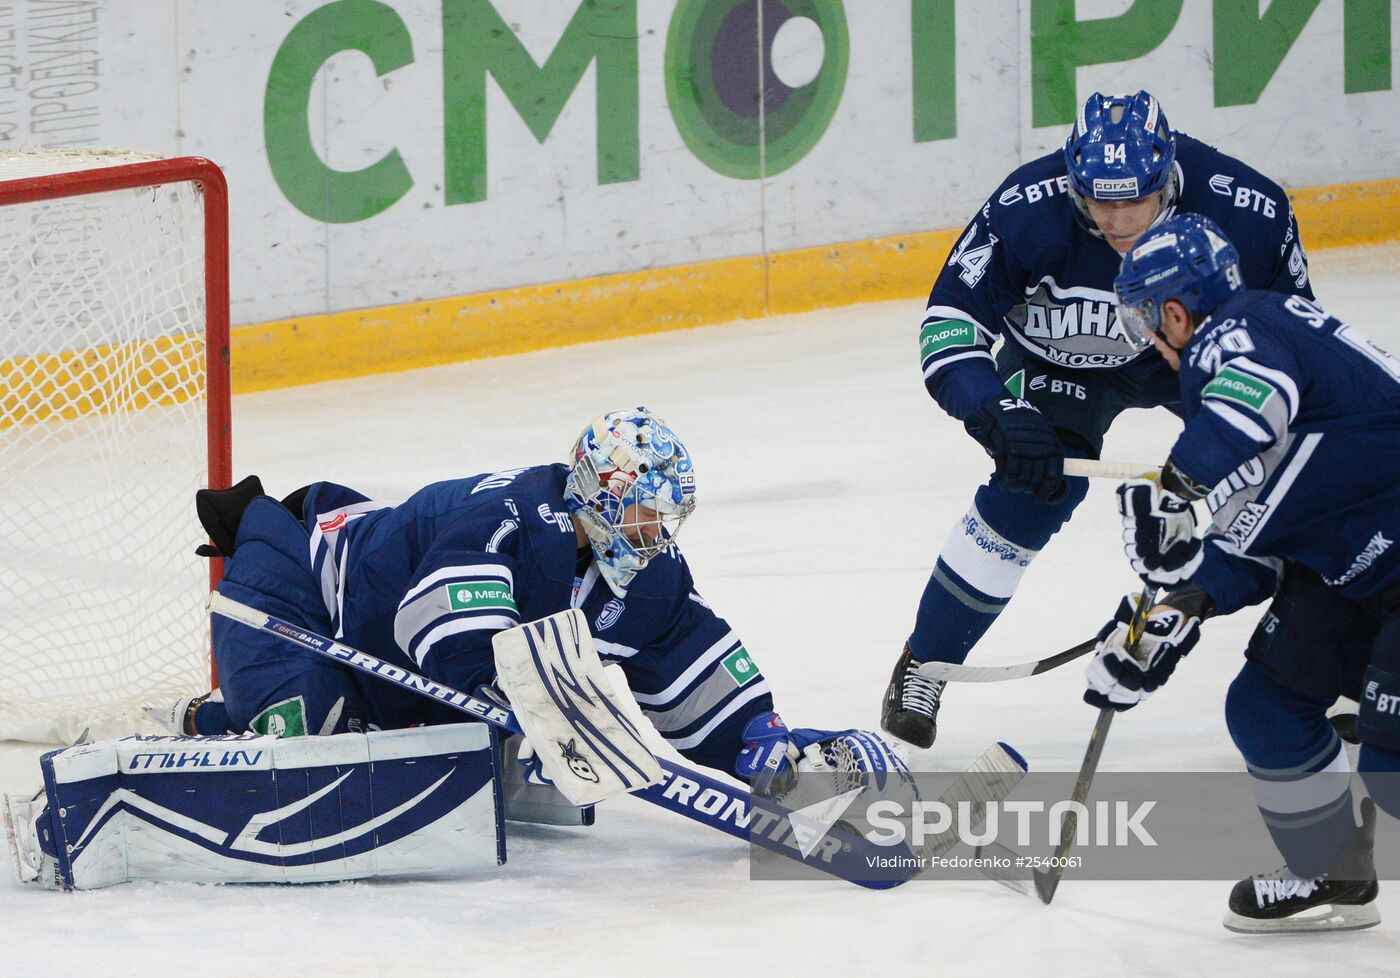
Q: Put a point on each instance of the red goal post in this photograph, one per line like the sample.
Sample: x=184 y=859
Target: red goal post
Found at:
x=114 y=408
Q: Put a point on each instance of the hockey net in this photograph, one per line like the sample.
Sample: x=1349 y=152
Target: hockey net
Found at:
x=114 y=409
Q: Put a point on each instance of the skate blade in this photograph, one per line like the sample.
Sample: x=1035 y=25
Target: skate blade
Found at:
x=1334 y=917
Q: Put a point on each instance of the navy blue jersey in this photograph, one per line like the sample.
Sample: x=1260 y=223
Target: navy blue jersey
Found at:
x=1294 y=418
x=1027 y=269
x=429 y=582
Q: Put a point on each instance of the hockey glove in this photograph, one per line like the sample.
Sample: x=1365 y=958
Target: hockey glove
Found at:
x=1028 y=453
x=769 y=758
x=1159 y=533
x=1120 y=678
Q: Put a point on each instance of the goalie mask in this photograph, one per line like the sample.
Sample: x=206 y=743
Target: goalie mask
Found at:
x=630 y=485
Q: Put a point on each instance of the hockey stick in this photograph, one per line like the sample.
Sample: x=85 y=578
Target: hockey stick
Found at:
x=956 y=672
x=686 y=792
x=1093 y=468
x=1047 y=880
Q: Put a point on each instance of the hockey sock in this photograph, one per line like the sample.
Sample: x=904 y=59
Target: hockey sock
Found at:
x=1301 y=774
x=981 y=564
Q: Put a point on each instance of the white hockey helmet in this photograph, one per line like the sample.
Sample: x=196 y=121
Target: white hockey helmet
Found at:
x=630 y=485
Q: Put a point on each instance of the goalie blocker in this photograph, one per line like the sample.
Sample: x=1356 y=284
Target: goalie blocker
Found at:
x=251 y=808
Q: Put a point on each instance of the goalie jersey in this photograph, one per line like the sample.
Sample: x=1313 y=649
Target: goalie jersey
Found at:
x=1027 y=269
x=1294 y=418
x=426 y=585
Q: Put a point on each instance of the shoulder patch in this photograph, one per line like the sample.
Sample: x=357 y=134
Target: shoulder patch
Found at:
x=480 y=596
x=944 y=333
x=740 y=666
x=1244 y=389
x=608 y=617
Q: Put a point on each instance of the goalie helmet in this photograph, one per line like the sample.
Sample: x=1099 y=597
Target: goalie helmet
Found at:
x=1186 y=258
x=1120 y=148
x=630 y=485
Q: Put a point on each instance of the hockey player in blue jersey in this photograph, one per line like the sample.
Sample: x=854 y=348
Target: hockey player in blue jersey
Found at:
x=426 y=584
x=1292 y=438
x=1035 y=268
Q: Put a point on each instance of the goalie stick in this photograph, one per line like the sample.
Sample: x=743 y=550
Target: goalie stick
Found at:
x=682 y=790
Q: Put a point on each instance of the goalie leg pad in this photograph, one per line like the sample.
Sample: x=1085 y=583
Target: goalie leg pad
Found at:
x=251 y=808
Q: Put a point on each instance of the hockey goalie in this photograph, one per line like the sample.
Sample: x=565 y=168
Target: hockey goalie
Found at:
x=299 y=768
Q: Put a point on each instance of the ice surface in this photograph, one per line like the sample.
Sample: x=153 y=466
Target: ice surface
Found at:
x=828 y=481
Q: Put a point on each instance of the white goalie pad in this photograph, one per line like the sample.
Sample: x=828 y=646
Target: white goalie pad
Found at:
x=566 y=707
x=246 y=809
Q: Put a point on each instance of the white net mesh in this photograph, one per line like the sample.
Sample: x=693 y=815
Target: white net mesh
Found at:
x=102 y=446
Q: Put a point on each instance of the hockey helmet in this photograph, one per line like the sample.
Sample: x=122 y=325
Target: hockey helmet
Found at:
x=1187 y=258
x=1121 y=148
x=630 y=485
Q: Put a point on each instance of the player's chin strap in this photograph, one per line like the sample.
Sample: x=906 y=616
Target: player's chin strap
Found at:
x=699 y=797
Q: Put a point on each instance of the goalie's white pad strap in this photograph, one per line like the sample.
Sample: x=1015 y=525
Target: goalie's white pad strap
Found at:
x=262 y=809
x=565 y=705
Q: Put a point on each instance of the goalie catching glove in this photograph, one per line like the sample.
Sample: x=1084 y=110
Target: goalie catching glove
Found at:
x=1120 y=677
x=1159 y=533
x=774 y=755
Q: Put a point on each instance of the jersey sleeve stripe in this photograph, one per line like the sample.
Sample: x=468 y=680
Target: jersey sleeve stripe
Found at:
x=1241 y=422
x=936 y=365
x=704 y=662
x=747 y=695
x=342 y=558
x=698 y=702
x=461 y=599
x=457 y=626
x=461 y=572
x=612 y=650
